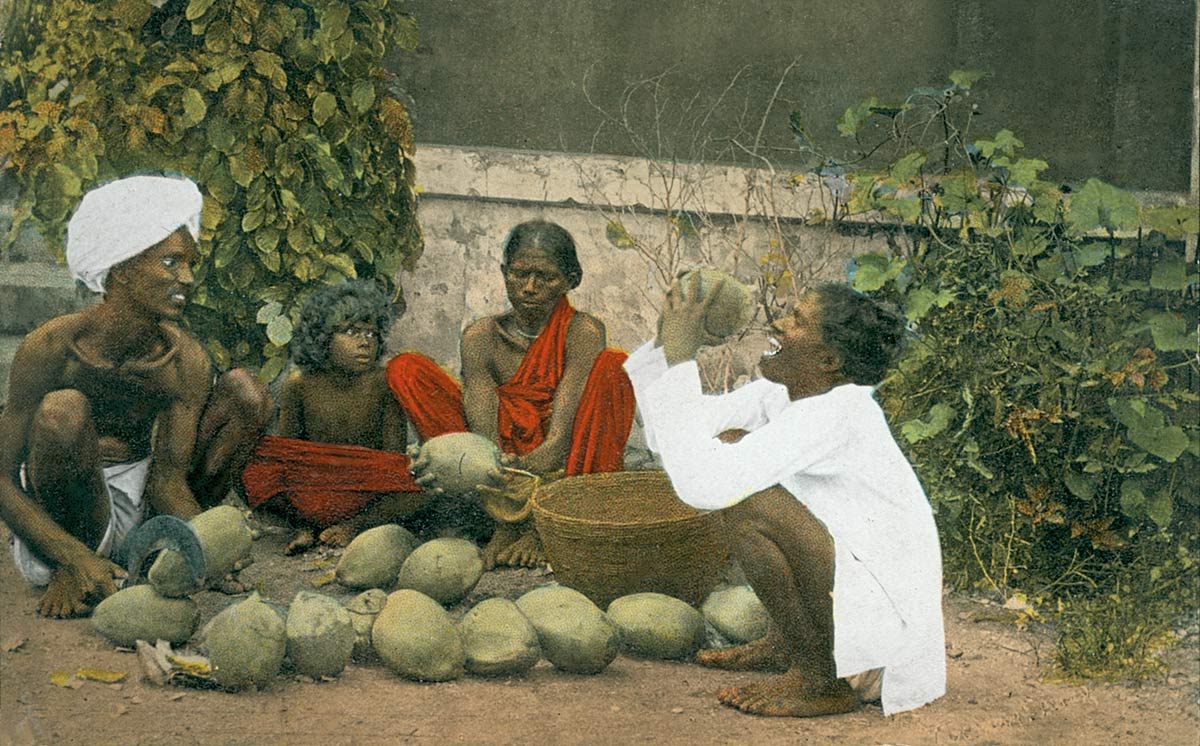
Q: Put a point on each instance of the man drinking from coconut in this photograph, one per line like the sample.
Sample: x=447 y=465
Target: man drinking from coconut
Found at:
x=826 y=517
x=113 y=412
x=537 y=380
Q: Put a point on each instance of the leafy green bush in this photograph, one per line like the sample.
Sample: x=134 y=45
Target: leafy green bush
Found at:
x=1050 y=402
x=279 y=109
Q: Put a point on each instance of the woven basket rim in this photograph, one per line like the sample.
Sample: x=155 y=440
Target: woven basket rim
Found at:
x=540 y=509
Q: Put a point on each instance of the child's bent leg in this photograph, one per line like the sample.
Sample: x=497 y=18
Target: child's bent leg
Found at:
x=788 y=558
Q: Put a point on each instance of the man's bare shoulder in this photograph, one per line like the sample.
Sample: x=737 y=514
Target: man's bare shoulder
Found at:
x=586 y=328
x=49 y=344
x=481 y=329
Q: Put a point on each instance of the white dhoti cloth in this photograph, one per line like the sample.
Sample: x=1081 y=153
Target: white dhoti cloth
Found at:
x=125 y=484
x=835 y=453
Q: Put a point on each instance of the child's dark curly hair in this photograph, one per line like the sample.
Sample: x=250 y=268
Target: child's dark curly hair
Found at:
x=867 y=336
x=331 y=309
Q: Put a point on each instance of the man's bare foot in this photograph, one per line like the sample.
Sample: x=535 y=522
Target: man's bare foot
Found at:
x=514 y=545
x=768 y=653
x=74 y=589
x=340 y=534
x=524 y=552
x=788 y=695
x=502 y=538
x=303 y=539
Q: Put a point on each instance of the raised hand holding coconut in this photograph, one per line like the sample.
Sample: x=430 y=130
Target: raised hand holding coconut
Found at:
x=682 y=327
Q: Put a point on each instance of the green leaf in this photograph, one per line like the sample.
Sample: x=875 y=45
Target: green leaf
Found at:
x=197 y=8
x=918 y=302
x=334 y=18
x=618 y=236
x=1029 y=245
x=1005 y=143
x=1158 y=507
x=909 y=166
x=1172 y=222
x=966 y=78
x=856 y=117
x=251 y=220
x=1133 y=499
x=324 y=106
x=404 y=33
x=272 y=368
x=265 y=240
x=1090 y=255
x=1170 y=274
x=1148 y=429
x=1025 y=171
x=1080 y=486
x=363 y=96
x=194 y=108
x=1171 y=332
x=268 y=312
x=937 y=420
x=907 y=209
x=1099 y=205
x=875 y=270
x=279 y=330
x=341 y=263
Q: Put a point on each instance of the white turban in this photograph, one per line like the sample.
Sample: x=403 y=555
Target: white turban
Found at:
x=123 y=218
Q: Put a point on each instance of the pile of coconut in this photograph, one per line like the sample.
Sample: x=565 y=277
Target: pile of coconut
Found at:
x=400 y=617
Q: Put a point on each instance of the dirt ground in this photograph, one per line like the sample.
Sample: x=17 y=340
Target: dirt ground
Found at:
x=996 y=692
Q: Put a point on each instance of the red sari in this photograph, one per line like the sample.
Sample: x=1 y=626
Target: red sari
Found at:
x=433 y=400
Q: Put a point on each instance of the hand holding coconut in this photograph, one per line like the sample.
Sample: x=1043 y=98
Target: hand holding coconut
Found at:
x=702 y=308
x=458 y=463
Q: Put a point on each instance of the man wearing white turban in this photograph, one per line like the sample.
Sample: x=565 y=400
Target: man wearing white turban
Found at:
x=113 y=412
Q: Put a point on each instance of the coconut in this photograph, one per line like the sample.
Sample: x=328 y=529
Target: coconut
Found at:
x=363 y=609
x=224 y=536
x=140 y=613
x=417 y=639
x=574 y=633
x=444 y=569
x=654 y=625
x=736 y=613
x=246 y=644
x=374 y=557
x=498 y=640
x=459 y=462
x=320 y=636
x=733 y=308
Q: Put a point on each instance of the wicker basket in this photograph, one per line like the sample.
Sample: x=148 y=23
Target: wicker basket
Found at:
x=608 y=535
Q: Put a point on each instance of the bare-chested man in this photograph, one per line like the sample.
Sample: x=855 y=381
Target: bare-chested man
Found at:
x=112 y=412
x=339 y=463
x=537 y=379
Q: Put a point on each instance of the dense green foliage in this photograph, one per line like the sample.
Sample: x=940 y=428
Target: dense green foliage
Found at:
x=279 y=109
x=1050 y=398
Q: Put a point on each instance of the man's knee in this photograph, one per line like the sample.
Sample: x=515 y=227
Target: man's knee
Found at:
x=245 y=395
x=62 y=419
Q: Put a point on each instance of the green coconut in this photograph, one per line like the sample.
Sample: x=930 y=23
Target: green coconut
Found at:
x=654 y=625
x=444 y=569
x=374 y=557
x=225 y=537
x=363 y=609
x=246 y=643
x=733 y=308
x=320 y=635
x=575 y=635
x=141 y=613
x=458 y=462
x=498 y=640
x=736 y=613
x=417 y=639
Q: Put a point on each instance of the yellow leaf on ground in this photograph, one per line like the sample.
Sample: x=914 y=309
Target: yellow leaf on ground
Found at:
x=59 y=678
x=100 y=674
x=325 y=578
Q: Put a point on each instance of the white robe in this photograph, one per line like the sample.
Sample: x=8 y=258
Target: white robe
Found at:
x=835 y=453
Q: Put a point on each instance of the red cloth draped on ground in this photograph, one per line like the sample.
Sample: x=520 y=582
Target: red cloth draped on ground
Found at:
x=433 y=400
x=325 y=482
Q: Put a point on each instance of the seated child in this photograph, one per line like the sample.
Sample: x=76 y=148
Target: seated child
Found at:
x=826 y=516
x=338 y=464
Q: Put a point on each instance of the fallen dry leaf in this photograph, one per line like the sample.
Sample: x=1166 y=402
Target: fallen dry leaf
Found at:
x=100 y=674
x=120 y=710
x=176 y=697
x=325 y=578
x=13 y=644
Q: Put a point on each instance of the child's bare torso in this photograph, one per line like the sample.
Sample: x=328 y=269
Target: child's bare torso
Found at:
x=345 y=410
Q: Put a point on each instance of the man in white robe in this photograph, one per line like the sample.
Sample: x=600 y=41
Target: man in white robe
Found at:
x=828 y=519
